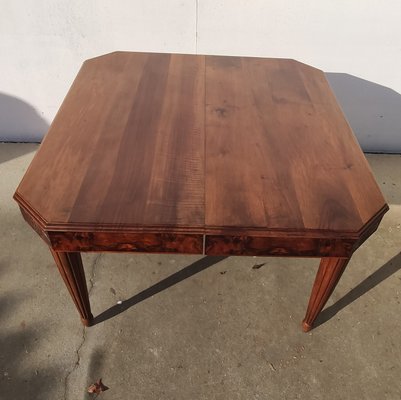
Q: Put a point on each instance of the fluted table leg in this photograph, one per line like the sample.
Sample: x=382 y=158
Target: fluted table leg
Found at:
x=327 y=277
x=72 y=271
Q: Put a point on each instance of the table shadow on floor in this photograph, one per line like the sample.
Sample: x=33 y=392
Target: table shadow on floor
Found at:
x=164 y=284
x=384 y=272
x=23 y=377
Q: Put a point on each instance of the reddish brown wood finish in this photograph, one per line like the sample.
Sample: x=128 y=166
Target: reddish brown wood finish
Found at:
x=72 y=272
x=133 y=242
x=126 y=147
x=271 y=246
x=190 y=142
x=279 y=152
x=199 y=154
x=328 y=275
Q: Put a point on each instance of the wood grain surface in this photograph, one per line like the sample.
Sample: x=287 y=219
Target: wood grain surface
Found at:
x=128 y=241
x=279 y=152
x=201 y=154
x=201 y=144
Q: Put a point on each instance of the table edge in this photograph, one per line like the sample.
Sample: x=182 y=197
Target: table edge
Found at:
x=48 y=227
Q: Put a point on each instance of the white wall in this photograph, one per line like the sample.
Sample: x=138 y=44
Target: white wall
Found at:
x=44 y=42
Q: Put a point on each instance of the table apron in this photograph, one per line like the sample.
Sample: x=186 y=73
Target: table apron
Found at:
x=216 y=245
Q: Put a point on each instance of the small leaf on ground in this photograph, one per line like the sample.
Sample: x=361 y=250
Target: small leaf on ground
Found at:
x=97 y=387
x=257 y=266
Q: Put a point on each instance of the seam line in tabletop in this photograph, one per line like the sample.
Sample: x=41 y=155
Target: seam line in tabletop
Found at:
x=204 y=149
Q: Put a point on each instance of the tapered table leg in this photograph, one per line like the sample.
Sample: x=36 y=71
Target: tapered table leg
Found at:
x=72 y=271
x=327 y=277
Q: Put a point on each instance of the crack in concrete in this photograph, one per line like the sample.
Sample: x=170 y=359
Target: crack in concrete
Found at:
x=92 y=275
x=77 y=351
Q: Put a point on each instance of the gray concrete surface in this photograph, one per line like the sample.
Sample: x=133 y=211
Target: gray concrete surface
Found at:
x=221 y=329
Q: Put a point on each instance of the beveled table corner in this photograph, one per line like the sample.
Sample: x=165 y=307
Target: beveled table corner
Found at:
x=194 y=154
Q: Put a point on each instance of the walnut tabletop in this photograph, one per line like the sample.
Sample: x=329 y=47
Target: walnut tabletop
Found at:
x=203 y=155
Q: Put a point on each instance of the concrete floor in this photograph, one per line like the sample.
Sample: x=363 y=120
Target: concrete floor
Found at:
x=220 y=329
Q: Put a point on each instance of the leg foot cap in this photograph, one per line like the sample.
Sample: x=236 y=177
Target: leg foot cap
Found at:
x=87 y=322
x=306 y=327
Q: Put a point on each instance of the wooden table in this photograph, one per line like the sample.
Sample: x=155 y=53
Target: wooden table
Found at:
x=162 y=153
